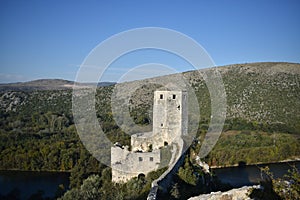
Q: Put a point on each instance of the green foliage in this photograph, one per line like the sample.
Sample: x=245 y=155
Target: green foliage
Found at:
x=286 y=188
x=175 y=193
x=101 y=187
x=253 y=147
x=186 y=173
x=85 y=166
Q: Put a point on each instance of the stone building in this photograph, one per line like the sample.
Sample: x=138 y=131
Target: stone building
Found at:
x=170 y=121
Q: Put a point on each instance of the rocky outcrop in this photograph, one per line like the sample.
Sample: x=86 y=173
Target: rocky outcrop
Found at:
x=234 y=194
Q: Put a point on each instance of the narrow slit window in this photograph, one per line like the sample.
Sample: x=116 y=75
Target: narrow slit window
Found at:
x=161 y=96
x=174 y=96
x=161 y=125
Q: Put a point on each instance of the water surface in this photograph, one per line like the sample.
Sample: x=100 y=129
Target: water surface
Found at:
x=250 y=175
x=29 y=183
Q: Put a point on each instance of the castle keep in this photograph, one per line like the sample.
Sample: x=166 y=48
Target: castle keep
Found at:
x=169 y=124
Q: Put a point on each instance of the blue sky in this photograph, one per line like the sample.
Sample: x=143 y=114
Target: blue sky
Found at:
x=50 y=39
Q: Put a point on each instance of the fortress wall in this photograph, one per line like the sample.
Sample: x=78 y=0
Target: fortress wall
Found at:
x=164 y=181
x=140 y=143
x=122 y=177
x=127 y=164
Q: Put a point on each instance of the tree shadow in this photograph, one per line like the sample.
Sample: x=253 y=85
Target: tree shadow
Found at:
x=243 y=177
x=242 y=164
x=267 y=192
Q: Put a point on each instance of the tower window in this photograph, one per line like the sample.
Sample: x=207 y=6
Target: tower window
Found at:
x=161 y=96
x=161 y=125
x=140 y=159
x=174 y=96
x=151 y=159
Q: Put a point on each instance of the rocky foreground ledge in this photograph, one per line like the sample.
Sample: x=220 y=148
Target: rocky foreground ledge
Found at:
x=234 y=194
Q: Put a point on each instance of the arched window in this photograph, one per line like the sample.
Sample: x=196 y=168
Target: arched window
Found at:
x=141 y=176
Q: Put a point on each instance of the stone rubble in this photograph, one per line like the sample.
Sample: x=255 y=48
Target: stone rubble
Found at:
x=234 y=194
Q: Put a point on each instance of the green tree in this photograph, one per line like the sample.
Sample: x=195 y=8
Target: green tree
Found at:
x=175 y=191
x=90 y=189
x=286 y=188
x=186 y=173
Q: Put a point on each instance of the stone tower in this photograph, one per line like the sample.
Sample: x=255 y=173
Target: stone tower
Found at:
x=170 y=114
x=170 y=121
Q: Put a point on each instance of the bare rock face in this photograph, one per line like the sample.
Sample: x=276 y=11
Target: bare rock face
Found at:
x=234 y=194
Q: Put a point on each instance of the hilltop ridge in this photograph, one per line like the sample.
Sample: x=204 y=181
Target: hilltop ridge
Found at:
x=46 y=84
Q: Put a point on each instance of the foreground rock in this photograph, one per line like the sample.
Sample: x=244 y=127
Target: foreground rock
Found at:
x=234 y=194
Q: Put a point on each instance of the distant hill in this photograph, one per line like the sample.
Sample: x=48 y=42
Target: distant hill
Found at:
x=45 y=84
x=263 y=93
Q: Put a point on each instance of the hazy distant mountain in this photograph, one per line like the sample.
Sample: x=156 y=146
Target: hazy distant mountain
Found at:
x=45 y=84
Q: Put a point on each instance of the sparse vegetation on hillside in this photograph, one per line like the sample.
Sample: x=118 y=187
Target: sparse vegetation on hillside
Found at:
x=37 y=131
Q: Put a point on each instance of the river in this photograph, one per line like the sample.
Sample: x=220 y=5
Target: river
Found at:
x=250 y=174
x=28 y=183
